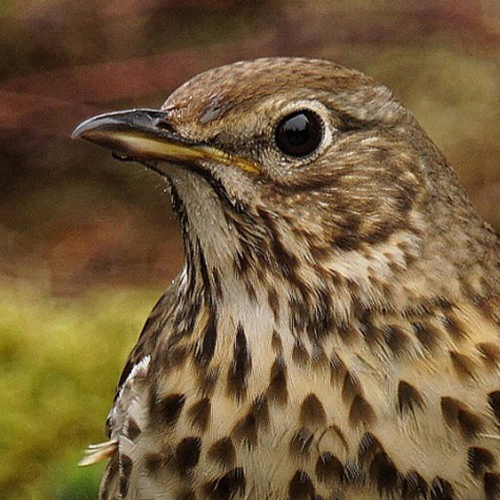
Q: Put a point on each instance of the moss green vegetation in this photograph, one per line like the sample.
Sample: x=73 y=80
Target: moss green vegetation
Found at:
x=60 y=359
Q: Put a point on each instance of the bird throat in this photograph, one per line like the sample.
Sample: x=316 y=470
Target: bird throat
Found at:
x=251 y=270
x=258 y=277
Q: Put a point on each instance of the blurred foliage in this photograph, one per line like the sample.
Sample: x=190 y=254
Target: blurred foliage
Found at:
x=60 y=358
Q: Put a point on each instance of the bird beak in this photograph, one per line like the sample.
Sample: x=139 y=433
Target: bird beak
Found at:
x=137 y=134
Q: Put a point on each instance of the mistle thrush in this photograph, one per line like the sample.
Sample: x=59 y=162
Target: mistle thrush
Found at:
x=335 y=332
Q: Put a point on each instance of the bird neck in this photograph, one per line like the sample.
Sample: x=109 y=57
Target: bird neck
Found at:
x=258 y=276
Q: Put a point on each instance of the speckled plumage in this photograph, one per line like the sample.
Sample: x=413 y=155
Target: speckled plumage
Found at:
x=335 y=331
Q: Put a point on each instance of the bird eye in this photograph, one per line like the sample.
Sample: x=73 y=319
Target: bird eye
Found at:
x=299 y=134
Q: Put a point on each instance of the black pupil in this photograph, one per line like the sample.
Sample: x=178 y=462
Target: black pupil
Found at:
x=299 y=134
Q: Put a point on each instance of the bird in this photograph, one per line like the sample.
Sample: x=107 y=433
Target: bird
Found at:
x=334 y=332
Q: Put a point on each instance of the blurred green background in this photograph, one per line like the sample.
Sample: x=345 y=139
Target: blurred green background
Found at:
x=87 y=244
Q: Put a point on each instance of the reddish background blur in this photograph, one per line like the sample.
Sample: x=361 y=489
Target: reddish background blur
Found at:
x=72 y=218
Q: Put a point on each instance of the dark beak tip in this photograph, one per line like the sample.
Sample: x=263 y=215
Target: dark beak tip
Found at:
x=77 y=133
x=132 y=118
x=85 y=127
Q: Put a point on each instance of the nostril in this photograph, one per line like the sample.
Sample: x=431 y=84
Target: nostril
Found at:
x=163 y=124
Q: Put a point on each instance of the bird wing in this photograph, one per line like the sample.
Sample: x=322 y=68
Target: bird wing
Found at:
x=122 y=424
x=137 y=363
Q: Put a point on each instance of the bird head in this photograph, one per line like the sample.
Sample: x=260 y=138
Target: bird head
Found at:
x=302 y=168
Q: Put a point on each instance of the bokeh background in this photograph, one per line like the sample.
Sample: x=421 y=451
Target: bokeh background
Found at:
x=87 y=244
